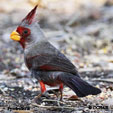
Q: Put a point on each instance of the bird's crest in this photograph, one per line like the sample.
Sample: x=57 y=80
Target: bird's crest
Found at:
x=30 y=16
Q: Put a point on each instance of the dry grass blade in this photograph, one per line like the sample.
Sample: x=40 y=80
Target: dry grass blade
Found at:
x=105 y=80
x=53 y=107
x=49 y=100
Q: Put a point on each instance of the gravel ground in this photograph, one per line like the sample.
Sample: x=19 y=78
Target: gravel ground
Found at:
x=86 y=39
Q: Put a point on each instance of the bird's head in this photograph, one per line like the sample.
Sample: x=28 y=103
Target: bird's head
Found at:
x=28 y=31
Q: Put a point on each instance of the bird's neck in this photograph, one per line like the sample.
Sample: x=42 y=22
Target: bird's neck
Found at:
x=36 y=39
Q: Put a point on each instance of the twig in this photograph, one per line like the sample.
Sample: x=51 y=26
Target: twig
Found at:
x=49 y=100
x=53 y=107
x=105 y=80
x=3 y=91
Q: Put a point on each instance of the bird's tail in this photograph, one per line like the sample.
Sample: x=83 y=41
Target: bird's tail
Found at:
x=79 y=86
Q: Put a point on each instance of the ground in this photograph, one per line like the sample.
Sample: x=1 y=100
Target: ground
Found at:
x=83 y=33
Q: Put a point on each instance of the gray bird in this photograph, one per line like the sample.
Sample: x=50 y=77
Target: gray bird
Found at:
x=47 y=64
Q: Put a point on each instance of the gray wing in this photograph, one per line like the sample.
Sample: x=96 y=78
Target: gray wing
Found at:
x=48 y=58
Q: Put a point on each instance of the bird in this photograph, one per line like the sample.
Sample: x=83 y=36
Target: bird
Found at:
x=45 y=62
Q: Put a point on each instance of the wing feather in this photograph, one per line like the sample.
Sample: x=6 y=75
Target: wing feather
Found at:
x=53 y=60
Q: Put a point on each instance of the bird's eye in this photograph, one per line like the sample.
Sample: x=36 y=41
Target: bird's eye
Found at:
x=25 y=32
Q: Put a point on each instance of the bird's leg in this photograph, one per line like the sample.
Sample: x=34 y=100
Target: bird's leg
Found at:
x=61 y=90
x=43 y=89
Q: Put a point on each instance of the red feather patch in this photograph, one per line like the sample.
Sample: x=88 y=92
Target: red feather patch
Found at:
x=24 y=33
x=30 y=17
x=48 y=67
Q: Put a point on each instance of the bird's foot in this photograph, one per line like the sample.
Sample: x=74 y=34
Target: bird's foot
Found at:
x=40 y=97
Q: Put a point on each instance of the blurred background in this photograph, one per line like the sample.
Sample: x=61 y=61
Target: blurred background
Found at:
x=81 y=29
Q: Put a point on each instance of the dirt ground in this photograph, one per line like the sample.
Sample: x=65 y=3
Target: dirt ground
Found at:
x=83 y=31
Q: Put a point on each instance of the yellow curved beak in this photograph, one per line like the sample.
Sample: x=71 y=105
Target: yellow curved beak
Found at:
x=15 y=36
